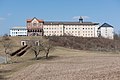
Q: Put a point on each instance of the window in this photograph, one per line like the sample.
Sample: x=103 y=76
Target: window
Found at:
x=34 y=24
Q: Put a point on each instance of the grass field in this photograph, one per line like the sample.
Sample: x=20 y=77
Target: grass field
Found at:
x=64 y=64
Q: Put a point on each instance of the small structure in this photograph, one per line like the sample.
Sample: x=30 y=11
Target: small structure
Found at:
x=106 y=31
x=30 y=42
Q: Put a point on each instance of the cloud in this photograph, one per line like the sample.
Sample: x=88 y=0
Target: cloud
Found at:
x=1 y=18
x=84 y=17
x=4 y=18
x=9 y=14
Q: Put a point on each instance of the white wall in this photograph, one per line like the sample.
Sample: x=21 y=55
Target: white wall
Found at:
x=50 y=30
x=18 y=32
x=107 y=32
x=75 y=30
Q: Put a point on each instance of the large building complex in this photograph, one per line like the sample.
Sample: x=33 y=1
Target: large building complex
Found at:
x=36 y=27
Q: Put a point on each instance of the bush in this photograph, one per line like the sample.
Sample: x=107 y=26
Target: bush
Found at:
x=81 y=43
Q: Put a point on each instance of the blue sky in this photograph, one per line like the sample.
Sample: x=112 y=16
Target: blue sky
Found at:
x=15 y=12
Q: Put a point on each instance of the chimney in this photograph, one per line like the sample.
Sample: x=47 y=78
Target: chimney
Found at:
x=81 y=19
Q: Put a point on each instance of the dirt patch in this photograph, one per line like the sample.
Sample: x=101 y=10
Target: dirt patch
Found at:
x=73 y=68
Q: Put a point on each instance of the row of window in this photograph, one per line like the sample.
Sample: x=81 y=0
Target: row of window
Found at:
x=71 y=28
x=84 y=35
x=68 y=31
x=19 y=32
x=80 y=28
x=53 y=28
x=52 y=31
x=35 y=24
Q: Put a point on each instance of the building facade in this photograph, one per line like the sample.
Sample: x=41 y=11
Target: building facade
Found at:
x=85 y=29
x=18 y=31
x=106 y=31
x=37 y=27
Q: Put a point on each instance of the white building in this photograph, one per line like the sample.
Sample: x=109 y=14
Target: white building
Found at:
x=18 y=31
x=84 y=29
x=38 y=27
x=106 y=31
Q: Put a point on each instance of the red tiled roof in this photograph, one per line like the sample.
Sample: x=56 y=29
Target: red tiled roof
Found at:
x=30 y=20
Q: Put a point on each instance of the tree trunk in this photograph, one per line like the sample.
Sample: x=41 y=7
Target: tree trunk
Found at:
x=36 y=55
x=6 y=59
x=46 y=55
x=6 y=56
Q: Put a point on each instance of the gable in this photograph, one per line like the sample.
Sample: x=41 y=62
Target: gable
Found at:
x=35 y=20
x=105 y=25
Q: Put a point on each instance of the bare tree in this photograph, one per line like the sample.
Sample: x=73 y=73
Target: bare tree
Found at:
x=36 y=47
x=7 y=45
x=47 y=47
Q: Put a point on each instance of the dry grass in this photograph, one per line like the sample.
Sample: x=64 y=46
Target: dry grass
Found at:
x=64 y=64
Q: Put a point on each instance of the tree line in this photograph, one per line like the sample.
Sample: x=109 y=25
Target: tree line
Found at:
x=85 y=43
